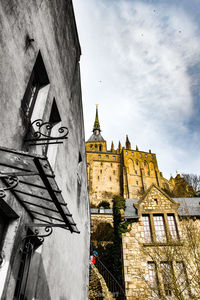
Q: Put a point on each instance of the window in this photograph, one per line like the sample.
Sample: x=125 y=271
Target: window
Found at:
x=132 y=153
x=98 y=177
x=34 y=100
x=31 y=244
x=145 y=163
x=100 y=147
x=156 y=201
x=166 y=271
x=55 y=120
x=147 y=228
x=91 y=146
x=135 y=172
x=126 y=152
x=153 y=279
x=114 y=172
x=173 y=276
x=148 y=173
x=182 y=278
x=3 y=225
x=159 y=228
x=172 y=227
x=136 y=162
x=155 y=226
x=136 y=182
x=107 y=156
x=114 y=157
x=100 y=171
x=99 y=156
x=95 y=145
x=101 y=164
x=110 y=179
x=111 y=164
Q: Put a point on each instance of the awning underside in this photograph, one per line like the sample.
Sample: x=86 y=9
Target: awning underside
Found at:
x=37 y=189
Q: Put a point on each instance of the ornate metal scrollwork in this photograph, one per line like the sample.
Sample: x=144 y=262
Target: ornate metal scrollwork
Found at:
x=41 y=132
x=10 y=181
x=48 y=231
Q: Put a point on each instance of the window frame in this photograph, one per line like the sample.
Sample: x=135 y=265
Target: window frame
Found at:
x=162 y=283
x=38 y=81
x=166 y=227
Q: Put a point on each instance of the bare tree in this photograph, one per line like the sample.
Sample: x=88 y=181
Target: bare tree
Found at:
x=192 y=180
x=174 y=267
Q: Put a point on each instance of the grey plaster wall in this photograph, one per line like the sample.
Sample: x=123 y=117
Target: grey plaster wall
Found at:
x=62 y=265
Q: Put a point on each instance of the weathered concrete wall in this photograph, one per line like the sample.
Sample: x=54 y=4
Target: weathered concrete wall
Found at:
x=51 y=27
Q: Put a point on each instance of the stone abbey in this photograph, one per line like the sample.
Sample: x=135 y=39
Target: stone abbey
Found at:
x=122 y=171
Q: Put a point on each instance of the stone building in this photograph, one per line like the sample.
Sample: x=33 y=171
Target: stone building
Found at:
x=44 y=207
x=160 y=248
x=123 y=170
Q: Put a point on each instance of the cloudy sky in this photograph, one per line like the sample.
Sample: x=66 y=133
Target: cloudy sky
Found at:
x=141 y=63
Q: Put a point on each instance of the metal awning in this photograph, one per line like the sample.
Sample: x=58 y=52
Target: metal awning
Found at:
x=31 y=180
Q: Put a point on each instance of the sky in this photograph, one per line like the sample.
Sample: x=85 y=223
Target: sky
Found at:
x=141 y=63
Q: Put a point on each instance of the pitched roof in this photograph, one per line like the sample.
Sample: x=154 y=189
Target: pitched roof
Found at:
x=96 y=138
x=188 y=207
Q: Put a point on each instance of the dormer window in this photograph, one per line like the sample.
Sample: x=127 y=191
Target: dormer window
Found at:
x=163 y=228
x=172 y=227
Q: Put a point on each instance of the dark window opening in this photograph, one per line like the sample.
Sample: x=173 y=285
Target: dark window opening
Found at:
x=54 y=115
x=38 y=79
x=30 y=245
x=3 y=227
x=100 y=147
x=79 y=158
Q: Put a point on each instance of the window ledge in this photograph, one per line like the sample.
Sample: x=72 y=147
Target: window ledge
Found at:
x=156 y=244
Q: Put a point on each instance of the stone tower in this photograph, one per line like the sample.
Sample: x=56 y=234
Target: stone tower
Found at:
x=122 y=171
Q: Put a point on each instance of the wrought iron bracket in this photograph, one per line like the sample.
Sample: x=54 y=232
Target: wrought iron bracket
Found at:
x=10 y=181
x=40 y=133
x=37 y=233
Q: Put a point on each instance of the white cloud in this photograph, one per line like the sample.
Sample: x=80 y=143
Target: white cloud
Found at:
x=135 y=65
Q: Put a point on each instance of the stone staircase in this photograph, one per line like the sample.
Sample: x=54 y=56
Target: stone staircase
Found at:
x=98 y=289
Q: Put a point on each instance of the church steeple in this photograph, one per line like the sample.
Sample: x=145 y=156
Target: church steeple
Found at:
x=96 y=127
x=96 y=136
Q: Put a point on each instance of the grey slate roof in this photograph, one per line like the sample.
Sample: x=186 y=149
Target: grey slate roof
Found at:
x=104 y=211
x=130 y=211
x=188 y=207
x=96 y=138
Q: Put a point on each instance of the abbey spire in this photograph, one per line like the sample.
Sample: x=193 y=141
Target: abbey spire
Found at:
x=96 y=136
x=96 y=122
